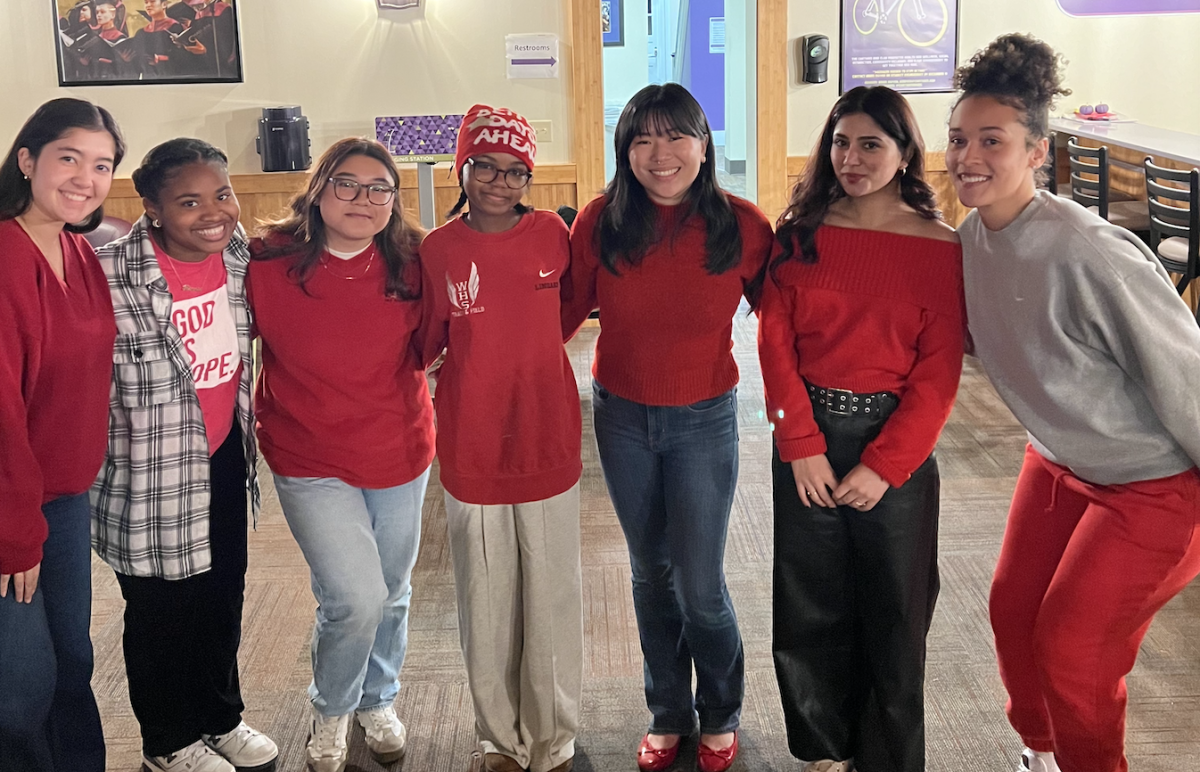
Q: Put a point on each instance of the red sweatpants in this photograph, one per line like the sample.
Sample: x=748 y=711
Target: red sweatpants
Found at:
x=1082 y=571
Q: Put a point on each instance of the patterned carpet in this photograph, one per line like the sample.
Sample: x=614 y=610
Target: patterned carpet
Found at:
x=980 y=453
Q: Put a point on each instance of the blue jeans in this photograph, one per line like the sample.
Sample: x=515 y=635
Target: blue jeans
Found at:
x=48 y=716
x=361 y=546
x=671 y=473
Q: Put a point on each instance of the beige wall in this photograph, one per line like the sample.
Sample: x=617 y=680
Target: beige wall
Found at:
x=1144 y=66
x=343 y=61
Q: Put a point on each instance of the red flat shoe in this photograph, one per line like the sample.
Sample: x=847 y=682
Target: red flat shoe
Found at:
x=651 y=759
x=713 y=760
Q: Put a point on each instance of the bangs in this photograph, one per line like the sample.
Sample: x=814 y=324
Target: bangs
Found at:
x=662 y=118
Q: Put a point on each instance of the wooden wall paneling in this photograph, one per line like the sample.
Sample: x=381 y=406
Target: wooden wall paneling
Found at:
x=266 y=195
x=773 y=187
x=587 y=95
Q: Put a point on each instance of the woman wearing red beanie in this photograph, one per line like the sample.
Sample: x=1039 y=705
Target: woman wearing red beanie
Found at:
x=508 y=448
x=667 y=256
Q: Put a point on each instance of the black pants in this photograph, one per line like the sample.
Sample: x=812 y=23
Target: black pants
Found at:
x=854 y=594
x=181 y=637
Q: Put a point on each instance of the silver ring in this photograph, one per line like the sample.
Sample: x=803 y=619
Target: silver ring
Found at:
x=860 y=503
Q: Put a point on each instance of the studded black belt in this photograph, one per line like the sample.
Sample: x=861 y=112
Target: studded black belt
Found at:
x=844 y=402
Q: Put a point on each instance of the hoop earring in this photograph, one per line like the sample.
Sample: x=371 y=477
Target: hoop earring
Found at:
x=903 y=170
x=156 y=223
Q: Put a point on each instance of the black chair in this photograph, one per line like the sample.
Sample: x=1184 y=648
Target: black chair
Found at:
x=1089 y=188
x=1049 y=169
x=110 y=229
x=568 y=214
x=1174 y=199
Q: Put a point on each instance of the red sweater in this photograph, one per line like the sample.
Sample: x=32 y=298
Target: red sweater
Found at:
x=877 y=312
x=507 y=402
x=56 y=347
x=666 y=325
x=342 y=392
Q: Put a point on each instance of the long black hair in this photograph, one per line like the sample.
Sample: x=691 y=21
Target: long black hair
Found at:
x=164 y=161
x=300 y=233
x=49 y=123
x=819 y=188
x=628 y=225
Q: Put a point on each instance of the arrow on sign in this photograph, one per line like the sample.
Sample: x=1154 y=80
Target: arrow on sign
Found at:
x=551 y=61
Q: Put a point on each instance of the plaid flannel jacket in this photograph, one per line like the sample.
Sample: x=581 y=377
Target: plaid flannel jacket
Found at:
x=150 y=502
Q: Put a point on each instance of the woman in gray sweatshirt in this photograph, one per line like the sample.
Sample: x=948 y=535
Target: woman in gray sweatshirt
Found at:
x=1086 y=340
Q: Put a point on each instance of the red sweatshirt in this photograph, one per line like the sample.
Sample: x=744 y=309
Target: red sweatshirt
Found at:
x=342 y=392
x=56 y=345
x=507 y=402
x=877 y=312
x=666 y=325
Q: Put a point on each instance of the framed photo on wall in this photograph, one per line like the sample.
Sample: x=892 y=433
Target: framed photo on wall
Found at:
x=129 y=42
x=908 y=45
x=612 y=22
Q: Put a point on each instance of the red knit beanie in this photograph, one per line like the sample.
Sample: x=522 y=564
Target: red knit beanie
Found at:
x=494 y=130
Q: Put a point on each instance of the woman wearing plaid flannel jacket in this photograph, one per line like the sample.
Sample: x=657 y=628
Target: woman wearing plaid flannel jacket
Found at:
x=170 y=504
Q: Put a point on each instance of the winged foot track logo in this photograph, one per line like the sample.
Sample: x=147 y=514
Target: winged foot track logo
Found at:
x=464 y=295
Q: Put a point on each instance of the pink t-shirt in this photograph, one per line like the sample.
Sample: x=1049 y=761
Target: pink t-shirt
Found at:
x=202 y=316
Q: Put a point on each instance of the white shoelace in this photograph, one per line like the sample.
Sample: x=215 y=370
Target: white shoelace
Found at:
x=329 y=733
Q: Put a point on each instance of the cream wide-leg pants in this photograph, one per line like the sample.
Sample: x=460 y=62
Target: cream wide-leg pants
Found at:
x=520 y=620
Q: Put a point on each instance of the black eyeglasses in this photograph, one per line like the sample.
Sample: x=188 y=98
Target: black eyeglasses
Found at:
x=484 y=172
x=347 y=190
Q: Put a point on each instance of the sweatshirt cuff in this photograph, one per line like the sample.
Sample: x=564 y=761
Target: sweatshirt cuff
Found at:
x=891 y=474
x=791 y=450
x=15 y=560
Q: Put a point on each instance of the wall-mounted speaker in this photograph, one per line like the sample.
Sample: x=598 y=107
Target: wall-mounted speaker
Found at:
x=814 y=58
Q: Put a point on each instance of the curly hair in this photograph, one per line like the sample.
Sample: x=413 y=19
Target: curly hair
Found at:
x=1020 y=71
x=164 y=161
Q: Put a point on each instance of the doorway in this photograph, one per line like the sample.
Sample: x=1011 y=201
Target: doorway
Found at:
x=707 y=46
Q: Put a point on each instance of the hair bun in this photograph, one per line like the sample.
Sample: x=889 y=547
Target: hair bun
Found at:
x=1015 y=66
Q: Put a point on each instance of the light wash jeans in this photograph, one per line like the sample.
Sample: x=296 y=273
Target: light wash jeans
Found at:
x=361 y=545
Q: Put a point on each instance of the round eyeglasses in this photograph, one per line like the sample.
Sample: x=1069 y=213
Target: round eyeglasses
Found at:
x=348 y=190
x=484 y=172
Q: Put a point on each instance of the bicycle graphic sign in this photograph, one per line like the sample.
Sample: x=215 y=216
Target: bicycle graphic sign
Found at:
x=908 y=45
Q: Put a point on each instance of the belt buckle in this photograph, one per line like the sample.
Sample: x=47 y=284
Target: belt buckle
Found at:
x=837 y=401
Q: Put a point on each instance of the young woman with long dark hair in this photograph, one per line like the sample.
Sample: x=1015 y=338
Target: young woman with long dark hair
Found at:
x=861 y=345
x=56 y=343
x=667 y=256
x=346 y=424
x=1088 y=343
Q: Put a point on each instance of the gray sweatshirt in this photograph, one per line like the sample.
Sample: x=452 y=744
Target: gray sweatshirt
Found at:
x=1086 y=340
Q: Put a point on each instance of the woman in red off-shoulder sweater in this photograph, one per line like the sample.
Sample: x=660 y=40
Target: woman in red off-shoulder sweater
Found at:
x=861 y=344
x=667 y=256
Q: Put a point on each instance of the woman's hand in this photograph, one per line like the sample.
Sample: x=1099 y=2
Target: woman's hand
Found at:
x=23 y=582
x=861 y=489
x=814 y=481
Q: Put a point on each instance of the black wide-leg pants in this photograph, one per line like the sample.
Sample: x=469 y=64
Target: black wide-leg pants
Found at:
x=854 y=594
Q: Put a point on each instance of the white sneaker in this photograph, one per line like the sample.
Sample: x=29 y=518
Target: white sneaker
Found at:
x=327 y=742
x=385 y=734
x=828 y=765
x=245 y=748
x=1037 y=761
x=196 y=757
